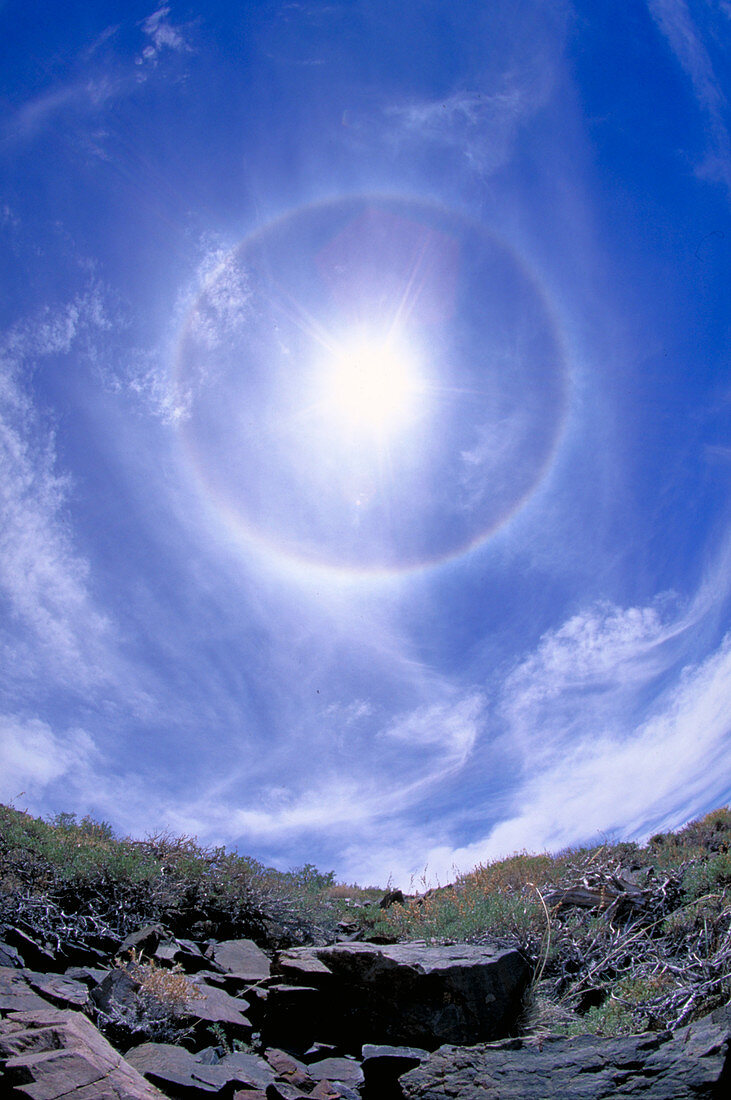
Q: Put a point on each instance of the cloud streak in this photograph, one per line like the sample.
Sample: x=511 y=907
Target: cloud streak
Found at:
x=676 y=23
x=42 y=574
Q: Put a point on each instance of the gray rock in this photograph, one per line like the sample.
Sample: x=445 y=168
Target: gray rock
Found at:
x=57 y=1053
x=412 y=995
x=35 y=953
x=16 y=994
x=323 y=1090
x=9 y=956
x=116 y=992
x=246 y=1069
x=318 y=1051
x=690 y=1063
x=60 y=990
x=144 y=940
x=167 y=1065
x=393 y=897
x=288 y=1069
x=184 y=953
x=242 y=959
x=89 y=975
x=215 y=1006
x=345 y=1070
x=382 y=1067
x=281 y=1090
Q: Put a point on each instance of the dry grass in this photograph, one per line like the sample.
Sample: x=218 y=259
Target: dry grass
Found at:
x=168 y=987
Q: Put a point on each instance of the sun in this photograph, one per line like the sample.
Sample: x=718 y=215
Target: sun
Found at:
x=371 y=384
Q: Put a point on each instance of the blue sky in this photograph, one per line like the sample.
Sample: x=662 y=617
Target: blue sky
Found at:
x=364 y=423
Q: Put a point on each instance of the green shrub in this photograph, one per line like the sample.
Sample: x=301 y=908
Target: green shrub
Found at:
x=707 y=876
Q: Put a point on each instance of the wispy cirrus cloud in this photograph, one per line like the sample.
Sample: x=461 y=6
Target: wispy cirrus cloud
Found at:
x=630 y=780
x=33 y=757
x=162 y=35
x=95 y=88
x=613 y=779
x=685 y=39
x=449 y=729
x=87 y=95
x=479 y=126
x=43 y=575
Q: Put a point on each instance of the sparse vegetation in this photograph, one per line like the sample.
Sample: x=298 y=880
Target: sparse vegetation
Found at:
x=621 y=937
x=68 y=872
x=629 y=938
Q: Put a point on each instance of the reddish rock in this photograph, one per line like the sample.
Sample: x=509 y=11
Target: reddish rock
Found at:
x=57 y=1053
x=218 y=1007
x=168 y=1065
x=16 y=994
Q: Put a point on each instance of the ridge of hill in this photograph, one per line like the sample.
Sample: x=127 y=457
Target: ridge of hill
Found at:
x=619 y=937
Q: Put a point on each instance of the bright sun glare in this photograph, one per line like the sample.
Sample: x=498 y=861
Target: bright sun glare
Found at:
x=371 y=384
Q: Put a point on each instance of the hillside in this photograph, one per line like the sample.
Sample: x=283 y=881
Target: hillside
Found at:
x=611 y=940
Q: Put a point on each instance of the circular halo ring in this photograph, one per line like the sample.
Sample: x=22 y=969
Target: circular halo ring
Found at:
x=496 y=380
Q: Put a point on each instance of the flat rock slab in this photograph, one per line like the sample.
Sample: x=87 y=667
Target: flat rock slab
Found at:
x=216 y=1006
x=168 y=1065
x=690 y=1063
x=53 y=1053
x=16 y=994
x=62 y=991
x=242 y=959
x=411 y=995
x=344 y=1070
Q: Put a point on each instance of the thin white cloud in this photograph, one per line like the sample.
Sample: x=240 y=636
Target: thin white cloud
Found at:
x=479 y=124
x=451 y=728
x=663 y=771
x=684 y=38
x=33 y=757
x=162 y=35
x=349 y=714
x=222 y=304
x=211 y=308
x=87 y=95
x=333 y=804
x=43 y=576
x=630 y=783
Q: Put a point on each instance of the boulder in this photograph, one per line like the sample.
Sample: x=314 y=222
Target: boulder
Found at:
x=116 y=993
x=56 y=1053
x=184 y=953
x=339 y=1070
x=89 y=975
x=288 y=1069
x=689 y=1063
x=33 y=950
x=409 y=994
x=392 y=897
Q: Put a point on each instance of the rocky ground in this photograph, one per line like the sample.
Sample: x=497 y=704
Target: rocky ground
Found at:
x=235 y=990
x=355 y=1021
